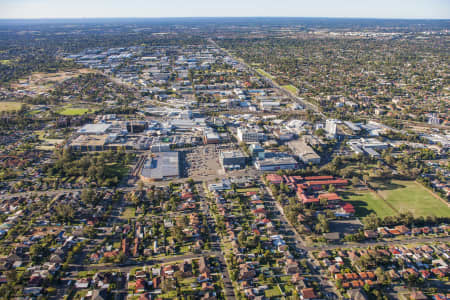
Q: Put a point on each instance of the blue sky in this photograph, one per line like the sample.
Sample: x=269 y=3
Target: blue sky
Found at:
x=225 y=8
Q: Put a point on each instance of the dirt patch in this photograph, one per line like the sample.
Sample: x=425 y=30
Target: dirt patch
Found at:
x=43 y=82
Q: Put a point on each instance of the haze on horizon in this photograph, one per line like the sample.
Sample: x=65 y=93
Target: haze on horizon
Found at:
x=411 y=9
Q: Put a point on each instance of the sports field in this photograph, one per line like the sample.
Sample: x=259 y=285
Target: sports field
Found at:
x=397 y=196
x=411 y=196
x=366 y=203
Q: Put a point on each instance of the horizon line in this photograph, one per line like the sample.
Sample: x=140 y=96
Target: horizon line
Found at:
x=228 y=17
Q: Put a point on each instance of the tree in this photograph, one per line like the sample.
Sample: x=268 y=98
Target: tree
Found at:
x=331 y=188
x=65 y=212
x=366 y=178
x=241 y=238
x=140 y=185
x=38 y=252
x=88 y=196
x=320 y=132
x=371 y=221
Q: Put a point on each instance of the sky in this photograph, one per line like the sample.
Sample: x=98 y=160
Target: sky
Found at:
x=404 y=9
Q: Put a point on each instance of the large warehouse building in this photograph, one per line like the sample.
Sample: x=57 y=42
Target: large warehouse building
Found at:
x=161 y=166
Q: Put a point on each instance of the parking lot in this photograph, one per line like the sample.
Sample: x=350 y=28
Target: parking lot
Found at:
x=202 y=161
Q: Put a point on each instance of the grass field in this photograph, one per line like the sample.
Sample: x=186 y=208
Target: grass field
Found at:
x=273 y=292
x=291 y=88
x=255 y=189
x=397 y=197
x=70 y=111
x=264 y=73
x=7 y=62
x=366 y=203
x=411 y=196
x=10 y=106
x=128 y=213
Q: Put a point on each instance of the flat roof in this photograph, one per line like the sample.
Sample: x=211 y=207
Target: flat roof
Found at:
x=277 y=161
x=94 y=128
x=162 y=165
x=90 y=140
x=232 y=154
x=301 y=149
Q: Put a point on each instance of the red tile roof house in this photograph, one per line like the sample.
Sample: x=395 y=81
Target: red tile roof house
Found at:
x=348 y=208
x=140 y=285
x=308 y=294
x=425 y=274
x=274 y=178
x=441 y=297
x=418 y=295
x=370 y=234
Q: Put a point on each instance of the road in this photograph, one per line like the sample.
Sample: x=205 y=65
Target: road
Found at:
x=274 y=84
x=215 y=244
x=326 y=286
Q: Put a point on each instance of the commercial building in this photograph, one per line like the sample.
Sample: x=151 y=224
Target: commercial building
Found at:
x=85 y=143
x=95 y=142
x=160 y=147
x=256 y=150
x=304 y=152
x=161 y=166
x=269 y=105
x=276 y=163
x=232 y=160
x=100 y=128
x=211 y=137
x=250 y=135
x=368 y=146
x=331 y=127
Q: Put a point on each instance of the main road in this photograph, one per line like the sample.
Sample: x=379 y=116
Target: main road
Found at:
x=272 y=82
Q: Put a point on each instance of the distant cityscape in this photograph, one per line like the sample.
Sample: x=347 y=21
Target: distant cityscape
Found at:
x=240 y=158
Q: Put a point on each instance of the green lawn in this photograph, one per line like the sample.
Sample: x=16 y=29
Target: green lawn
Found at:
x=291 y=88
x=366 y=203
x=71 y=111
x=411 y=196
x=273 y=292
x=129 y=213
x=264 y=73
x=255 y=189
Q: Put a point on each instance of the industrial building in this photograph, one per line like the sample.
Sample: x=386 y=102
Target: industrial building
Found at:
x=161 y=166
